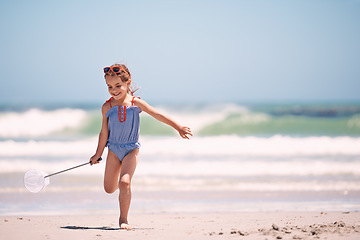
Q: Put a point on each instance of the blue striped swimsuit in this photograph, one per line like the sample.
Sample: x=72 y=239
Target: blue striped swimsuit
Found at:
x=124 y=126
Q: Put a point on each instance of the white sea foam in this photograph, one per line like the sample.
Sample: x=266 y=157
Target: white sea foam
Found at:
x=220 y=184
x=200 y=168
x=256 y=167
x=35 y=122
x=203 y=163
x=232 y=145
x=228 y=175
x=218 y=146
x=49 y=149
x=21 y=165
x=187 y=184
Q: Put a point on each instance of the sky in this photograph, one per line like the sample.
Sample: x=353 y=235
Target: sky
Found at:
x=181 y=51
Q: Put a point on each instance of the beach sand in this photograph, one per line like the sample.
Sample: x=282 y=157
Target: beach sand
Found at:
x=246 y=225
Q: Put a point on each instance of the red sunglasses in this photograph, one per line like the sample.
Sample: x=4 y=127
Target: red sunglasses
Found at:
x=114 y=69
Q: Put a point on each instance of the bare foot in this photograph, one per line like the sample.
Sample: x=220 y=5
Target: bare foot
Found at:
x=123 y=224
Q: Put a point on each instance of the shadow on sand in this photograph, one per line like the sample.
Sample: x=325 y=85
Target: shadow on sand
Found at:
x=99 y=228
x=87 y=228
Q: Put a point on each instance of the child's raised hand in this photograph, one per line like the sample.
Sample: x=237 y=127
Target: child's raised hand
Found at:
x=184 y=132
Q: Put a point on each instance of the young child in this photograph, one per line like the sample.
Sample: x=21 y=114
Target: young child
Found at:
x=120 y=133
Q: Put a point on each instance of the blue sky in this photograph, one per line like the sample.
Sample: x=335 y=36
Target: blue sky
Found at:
x=181 y=51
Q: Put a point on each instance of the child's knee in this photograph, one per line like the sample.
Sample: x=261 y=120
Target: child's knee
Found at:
x=125 y=182
x=109 y=189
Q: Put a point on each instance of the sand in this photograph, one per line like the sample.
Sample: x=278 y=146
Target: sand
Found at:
x=248 y=225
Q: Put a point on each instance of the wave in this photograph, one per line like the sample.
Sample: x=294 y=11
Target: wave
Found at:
x=228 y=119
x=234 y=145
x=209 y=163
x=219 y=184
x=201 y=156
x=31 y=148
x=35 y=122
x=199 y=168
x=264 y=124
x=142 y=184
x=199 y=175
x=210 y=120
x=214 y=146
x=64 y=122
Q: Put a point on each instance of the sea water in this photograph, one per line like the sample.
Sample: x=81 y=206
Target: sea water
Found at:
x=263 y=157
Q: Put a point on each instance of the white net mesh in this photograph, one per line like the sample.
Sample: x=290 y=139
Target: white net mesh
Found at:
x=34 y=180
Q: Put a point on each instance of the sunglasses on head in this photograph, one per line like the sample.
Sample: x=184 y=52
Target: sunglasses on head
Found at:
x=114 y=69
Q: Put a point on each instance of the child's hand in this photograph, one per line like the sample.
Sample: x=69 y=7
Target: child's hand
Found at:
x=94 y=160
x=184 y=132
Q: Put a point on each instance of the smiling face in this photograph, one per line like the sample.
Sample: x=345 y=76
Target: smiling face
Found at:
x=117 y=88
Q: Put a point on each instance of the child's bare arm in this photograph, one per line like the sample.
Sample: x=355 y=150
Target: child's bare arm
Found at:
x=103 y=137
x=183 y=131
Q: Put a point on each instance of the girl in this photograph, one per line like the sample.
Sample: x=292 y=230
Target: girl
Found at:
x=120 y=133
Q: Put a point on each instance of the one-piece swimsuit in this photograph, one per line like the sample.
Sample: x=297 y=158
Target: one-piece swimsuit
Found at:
x=124 y=126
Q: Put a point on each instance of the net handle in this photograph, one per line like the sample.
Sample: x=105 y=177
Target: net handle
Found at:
x=71 y=168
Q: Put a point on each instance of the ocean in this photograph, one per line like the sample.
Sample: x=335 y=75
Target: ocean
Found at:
x=242 y=157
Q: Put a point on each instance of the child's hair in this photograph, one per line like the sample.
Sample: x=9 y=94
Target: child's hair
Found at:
x=124 y=75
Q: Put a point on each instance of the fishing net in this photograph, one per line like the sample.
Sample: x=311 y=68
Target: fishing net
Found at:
x=35 y=181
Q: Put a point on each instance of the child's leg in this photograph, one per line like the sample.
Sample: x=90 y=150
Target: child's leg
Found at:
x=112 y=172
x=127 y=171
